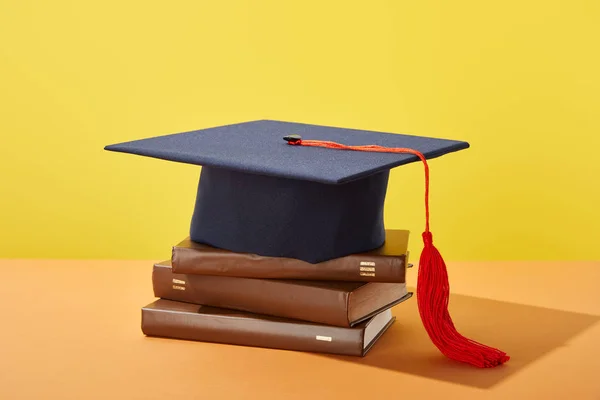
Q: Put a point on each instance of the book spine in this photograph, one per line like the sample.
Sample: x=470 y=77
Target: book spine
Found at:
x=250 y=332
x=355 y=268
x=269 y=297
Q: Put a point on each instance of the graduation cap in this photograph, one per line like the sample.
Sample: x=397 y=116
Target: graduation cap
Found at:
x=311 y=192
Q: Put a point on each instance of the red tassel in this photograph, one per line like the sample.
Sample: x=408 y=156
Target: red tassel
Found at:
x=433 y=289
x=433 y=292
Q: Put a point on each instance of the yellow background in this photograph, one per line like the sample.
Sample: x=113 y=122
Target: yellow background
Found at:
x=519 y=80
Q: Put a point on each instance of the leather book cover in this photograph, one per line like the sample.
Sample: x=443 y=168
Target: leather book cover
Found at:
x=343 y=304
x=385 y=264
x=177 y=320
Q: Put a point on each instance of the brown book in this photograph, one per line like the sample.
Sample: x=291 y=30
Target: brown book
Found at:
x=177 y=320
x=342 y=304
x=385 y=264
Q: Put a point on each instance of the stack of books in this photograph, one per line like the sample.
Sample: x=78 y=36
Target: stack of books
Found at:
x=340 y=306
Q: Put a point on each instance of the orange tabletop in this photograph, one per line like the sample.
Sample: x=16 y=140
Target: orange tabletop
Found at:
x=71 y=330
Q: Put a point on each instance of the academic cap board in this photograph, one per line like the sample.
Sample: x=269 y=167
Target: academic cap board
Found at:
x=311 y=192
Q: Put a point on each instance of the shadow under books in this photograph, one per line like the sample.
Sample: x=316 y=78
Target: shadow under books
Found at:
x=525 y=333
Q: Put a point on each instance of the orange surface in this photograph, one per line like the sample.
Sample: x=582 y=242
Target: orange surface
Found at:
x=71 y=330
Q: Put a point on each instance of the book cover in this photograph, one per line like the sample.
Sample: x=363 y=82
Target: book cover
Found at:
x=336 y=303
x=385 y=264
x=186 y=321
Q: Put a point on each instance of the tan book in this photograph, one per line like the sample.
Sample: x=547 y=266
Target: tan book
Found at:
x=342 y=304
x=177 y=320
x=385 y=264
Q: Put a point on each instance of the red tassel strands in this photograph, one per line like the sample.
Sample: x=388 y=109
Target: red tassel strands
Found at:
x=433 y=289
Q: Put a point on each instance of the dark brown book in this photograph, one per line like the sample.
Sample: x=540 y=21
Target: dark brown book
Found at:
x=385 y=264
x=342 y=304
x=177 y=320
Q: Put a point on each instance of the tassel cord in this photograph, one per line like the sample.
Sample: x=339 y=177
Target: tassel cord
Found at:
x=433 y=289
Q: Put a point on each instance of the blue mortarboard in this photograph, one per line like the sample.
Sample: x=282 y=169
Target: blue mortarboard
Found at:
x=258 y=195
x=317 y=199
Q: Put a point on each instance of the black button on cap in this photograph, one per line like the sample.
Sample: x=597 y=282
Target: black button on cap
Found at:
x=292 y=138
